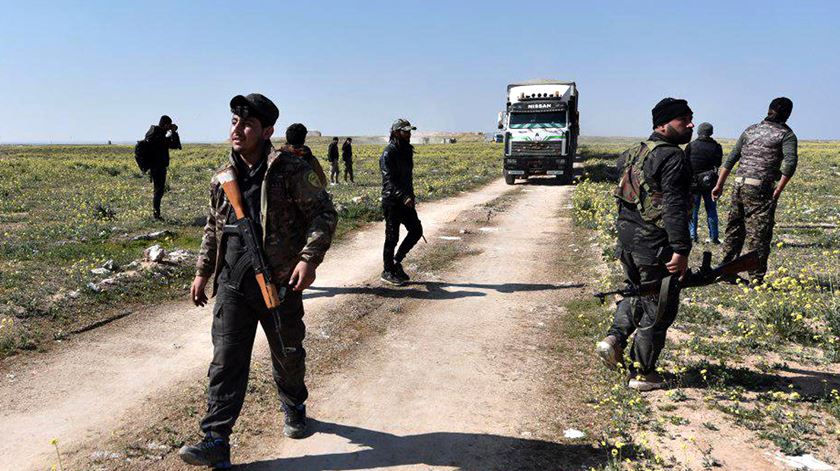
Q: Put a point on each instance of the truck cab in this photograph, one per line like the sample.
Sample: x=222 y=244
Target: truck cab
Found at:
x=540 y=127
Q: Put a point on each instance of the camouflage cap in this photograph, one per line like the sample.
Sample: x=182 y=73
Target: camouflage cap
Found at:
x=255 y=105
x=402 y=125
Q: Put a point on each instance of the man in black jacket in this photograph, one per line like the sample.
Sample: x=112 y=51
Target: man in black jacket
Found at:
x=347 y=157
x=397 y=166
x=161 y=138
x=705 y=155
x=653 y=243
x=332 y=156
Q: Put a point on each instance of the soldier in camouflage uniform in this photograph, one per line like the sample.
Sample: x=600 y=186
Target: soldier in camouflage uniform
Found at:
x=295 y=221
x=768 y=154
x=653 y=241
x=295 y=139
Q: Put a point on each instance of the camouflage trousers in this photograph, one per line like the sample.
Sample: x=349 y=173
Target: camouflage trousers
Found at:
x=751 y=219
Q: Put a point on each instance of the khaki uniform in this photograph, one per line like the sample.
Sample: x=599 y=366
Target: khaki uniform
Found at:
x=766 y=151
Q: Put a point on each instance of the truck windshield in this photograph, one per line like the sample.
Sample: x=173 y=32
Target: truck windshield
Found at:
x=537 y=120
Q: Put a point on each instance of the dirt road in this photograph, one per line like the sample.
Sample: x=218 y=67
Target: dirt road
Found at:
x=77 y=392
x=460 y=382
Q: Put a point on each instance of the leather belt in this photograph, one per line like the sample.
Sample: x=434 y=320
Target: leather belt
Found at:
x=750 y=181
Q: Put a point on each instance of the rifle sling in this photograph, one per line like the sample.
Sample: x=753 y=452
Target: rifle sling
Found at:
x=665 y=287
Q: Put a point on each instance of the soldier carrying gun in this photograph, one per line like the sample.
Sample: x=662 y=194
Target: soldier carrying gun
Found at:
x=270 y=223
x=653 y=240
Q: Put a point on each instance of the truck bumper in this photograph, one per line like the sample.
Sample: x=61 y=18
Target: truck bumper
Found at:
x=533 y=165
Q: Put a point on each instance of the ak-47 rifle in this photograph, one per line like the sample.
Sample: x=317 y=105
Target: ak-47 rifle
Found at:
x=244 y=228
x=703 y=276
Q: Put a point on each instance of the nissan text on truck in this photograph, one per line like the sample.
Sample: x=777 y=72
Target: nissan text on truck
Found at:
x=540 y=126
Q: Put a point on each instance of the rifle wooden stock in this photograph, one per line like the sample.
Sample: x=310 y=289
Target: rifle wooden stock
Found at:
x=269 y=292
x=231 y=189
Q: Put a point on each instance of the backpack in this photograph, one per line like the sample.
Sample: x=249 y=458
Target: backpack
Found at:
x=633 y=188
x=143 y=155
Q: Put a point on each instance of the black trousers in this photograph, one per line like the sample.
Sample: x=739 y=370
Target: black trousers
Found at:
x=641 y=311
x=395 y=215
x=158 y=178
x=348 y=170
x=235 y=317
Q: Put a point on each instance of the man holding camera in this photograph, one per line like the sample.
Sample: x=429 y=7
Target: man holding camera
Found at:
x=161 y=138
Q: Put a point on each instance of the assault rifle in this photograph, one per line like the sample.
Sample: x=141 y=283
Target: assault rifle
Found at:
x=703 y=276
x=245 y=229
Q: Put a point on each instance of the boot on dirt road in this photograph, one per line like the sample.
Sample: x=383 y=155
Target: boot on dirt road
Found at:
x=391 y=278
x=212 y=452
x=295 y=422
x=400 y=273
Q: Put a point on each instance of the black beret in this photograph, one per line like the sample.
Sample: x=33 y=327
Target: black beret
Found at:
x=668 y=109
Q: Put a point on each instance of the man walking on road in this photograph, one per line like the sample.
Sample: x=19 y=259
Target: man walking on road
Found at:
x=705 y=155
x=398 y=203
x=347 y=157
x=332 y=155
x=161 y=138
x=653 y=240
x=768 y=154
x=294 y=220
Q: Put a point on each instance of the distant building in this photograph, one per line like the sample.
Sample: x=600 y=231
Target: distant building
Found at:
x=313 y=133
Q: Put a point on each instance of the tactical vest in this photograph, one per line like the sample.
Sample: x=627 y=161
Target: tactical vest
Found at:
x=761 y=153
x=634 y=189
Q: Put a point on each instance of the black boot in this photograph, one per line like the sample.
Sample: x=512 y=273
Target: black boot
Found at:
x=400 y=273
x=388 y=276
x=213 y=452
x=295 y=423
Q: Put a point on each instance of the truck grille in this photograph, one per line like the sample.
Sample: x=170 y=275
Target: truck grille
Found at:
x=536 y=147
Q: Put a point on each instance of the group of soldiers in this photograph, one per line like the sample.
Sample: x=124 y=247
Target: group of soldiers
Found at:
x=655 y=231
x=283 y=193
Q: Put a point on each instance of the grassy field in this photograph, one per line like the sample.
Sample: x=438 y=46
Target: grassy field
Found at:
x=66 y=210
x=759 y=362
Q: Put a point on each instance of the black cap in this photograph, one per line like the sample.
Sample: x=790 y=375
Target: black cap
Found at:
x=402 y=125
x=668 y=109
x=255 y=105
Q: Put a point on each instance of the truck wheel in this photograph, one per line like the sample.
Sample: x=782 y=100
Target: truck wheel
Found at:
x=509 y=179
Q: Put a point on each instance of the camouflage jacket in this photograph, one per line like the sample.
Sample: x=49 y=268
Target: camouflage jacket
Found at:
x=297 y=216
x=766 y=150
x=305 y=153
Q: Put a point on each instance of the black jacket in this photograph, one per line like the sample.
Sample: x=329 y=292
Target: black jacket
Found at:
x=332 y=152
x=669 y=171
x=160 y=145
x=397 y=166
x=347 y=152
x=704 y=153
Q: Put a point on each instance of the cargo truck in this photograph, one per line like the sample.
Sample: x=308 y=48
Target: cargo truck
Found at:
x=540 y=126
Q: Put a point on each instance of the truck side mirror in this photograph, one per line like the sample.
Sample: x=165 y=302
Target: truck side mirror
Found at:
x=500 y=120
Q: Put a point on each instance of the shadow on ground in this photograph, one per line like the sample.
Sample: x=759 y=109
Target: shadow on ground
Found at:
x=465 y=451
x=813 y=385
x=434 y=290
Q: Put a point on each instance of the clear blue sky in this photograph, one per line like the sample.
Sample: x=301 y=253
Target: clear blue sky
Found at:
x=73 y=71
